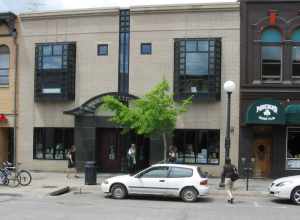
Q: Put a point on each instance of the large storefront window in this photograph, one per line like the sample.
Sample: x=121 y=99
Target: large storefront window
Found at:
x=293 y=149
x=52 y=143
x=197 y=146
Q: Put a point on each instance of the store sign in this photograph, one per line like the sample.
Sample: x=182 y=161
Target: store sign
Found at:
x=265 y=111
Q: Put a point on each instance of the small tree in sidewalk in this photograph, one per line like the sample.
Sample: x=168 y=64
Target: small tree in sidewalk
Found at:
x=154 y=114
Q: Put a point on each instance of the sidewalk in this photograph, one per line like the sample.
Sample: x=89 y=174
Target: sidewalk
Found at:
x=44 y=183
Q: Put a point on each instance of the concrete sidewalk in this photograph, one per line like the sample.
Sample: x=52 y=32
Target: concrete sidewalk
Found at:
x=44 y=183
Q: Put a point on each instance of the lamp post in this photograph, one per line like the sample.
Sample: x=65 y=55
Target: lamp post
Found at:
x=229 y=87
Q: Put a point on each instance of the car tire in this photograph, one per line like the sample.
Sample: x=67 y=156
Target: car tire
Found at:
x=188 y=194
x=118 y=191
x=295 y=195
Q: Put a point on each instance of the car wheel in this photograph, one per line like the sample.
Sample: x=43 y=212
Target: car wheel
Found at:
x=118 y=191
x=295 y=195
x=189 y=194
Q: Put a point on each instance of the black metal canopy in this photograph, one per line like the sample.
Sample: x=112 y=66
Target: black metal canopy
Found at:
x=89 y=107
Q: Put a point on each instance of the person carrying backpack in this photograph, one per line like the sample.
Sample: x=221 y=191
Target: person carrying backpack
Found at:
x=230 y=174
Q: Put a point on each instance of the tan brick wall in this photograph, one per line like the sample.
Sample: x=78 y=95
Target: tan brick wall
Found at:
x=147 y=70
x=94 y=75
x=7 y=91
x=99 y=74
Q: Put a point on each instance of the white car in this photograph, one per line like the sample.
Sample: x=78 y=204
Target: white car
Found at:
x=184 y=181
x=286 y=188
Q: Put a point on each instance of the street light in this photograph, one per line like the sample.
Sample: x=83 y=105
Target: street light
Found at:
x=229 y=87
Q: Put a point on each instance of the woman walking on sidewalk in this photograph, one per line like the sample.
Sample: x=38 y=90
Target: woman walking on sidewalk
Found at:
x=230 y=174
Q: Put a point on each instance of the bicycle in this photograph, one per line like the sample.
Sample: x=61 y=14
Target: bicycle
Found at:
x=11 y=175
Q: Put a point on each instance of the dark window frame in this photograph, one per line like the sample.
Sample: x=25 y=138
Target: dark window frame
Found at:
x=146 y=46
x=60 y=80
x=271 y=79
x=40 y=132
x=294 y=76
x=105 y=53
x=210 y=88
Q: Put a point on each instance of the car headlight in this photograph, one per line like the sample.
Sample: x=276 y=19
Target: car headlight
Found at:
x=284 y=183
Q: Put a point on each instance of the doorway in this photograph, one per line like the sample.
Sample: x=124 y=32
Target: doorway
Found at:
x=109 y=150
x=262 y=153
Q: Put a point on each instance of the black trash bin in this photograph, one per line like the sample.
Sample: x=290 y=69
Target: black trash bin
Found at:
x=90 y=173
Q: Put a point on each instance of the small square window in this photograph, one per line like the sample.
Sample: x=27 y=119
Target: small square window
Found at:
x=146 y=48
x=102 y=49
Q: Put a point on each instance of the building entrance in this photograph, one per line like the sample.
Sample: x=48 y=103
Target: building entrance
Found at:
x=262 y=153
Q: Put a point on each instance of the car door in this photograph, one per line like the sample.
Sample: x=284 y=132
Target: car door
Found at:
x=178 y=178
x=152 y=181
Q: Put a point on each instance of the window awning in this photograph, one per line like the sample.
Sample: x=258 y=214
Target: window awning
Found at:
x=292 y=112
x=266 y=111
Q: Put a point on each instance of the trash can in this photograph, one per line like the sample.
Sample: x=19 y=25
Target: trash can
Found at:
x=90 y=173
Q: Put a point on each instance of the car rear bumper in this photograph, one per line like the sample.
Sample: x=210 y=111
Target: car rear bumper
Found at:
x=203 y=192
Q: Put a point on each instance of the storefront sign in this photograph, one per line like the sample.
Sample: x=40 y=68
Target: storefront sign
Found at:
x=265 y=111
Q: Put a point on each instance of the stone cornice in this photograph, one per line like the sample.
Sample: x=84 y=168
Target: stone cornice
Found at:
x=209 y=7
x=69 y=13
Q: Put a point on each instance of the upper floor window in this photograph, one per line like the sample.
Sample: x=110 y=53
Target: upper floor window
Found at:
x=55 y=65
x=102 y=49
x=296 y=54
x=146 y=48
x=271 y=55
x=197 y=68
x=53 y=56
x=4 y=64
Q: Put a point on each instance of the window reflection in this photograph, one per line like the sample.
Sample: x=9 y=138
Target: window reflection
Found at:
x=197 y=146
x=4 y=65
x=52 y=143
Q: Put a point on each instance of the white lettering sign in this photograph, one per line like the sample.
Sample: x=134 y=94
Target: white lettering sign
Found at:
x=266 y=111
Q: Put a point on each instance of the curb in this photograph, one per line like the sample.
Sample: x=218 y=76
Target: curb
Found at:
x=240 y=193
x=60 y=191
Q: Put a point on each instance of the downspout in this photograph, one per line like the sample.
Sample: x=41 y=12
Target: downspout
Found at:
x=14 y=35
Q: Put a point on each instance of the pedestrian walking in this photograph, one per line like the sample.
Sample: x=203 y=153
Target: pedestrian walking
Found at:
x=172 y=154
x=230 y=174
x=131 y=158
x=71 y=156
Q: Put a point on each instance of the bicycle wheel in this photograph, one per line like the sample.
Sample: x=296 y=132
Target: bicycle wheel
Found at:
x=13 y=181
x=24 y=177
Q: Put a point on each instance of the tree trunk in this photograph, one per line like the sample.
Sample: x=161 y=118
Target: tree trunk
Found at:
x=165 y=145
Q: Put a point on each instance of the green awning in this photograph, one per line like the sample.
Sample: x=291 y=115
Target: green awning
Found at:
x=265 y=111
x=292 y=112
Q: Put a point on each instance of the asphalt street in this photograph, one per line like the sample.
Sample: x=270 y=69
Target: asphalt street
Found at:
x=88 y=206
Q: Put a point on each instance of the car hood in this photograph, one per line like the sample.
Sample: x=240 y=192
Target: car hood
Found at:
x=118 y=178
x=289 y=178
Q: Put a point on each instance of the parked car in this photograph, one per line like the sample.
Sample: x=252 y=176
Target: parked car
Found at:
x=184 y=181
x=286 y=188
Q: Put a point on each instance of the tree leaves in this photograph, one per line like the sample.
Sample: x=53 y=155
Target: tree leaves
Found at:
x=153 y=114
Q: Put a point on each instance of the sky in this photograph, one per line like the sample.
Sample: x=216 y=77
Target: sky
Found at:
x=18 y=6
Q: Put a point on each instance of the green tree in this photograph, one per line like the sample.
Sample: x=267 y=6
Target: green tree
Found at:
x=153 y=114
